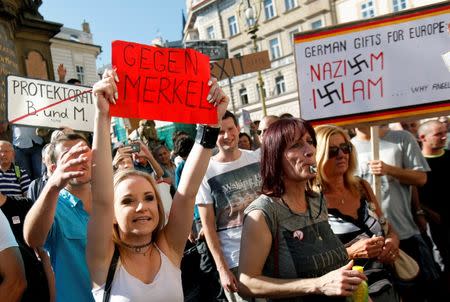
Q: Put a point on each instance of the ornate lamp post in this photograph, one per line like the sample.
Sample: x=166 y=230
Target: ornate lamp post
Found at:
x=250 y=11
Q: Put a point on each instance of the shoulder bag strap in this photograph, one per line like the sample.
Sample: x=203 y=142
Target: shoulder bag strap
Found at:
x=275 y=247
x=111 y=272
x=275 y=254
x=374 y=203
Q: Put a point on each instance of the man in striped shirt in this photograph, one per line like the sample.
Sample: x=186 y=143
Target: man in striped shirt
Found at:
x=13 y=180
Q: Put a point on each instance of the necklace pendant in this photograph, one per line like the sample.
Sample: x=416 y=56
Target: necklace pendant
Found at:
x=342 y=201
x=138 y=249
x=320 y=238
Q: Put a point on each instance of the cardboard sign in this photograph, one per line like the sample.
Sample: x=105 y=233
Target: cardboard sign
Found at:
x=166 y=84
x=385 y=69
x=241 y=65
x=214 y=49
x=49 y=104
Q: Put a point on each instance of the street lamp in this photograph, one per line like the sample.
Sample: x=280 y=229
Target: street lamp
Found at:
x=250 y=11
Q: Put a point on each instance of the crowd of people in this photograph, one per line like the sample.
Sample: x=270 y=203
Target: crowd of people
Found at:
x=281 y=213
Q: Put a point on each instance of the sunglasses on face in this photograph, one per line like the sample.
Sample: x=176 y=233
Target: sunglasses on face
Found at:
x=333 y=151
x=259 y=132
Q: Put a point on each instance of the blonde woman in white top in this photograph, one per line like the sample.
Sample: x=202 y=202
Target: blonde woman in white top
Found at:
x=128 y=216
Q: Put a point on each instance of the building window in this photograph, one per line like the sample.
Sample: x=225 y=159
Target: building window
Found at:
x=232 y=25
x=80 y=73
x=280 y=85
x=210 y=33
x=259 y=92
x=398 y=5
x=269 y=9
x=74 y=38
x=291 y=36
x=289 y=4
x=367 y=9
x=275 y=48
x=316 y=24
x=243 y=95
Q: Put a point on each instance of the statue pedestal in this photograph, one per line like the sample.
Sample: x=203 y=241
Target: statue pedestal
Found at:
x=24 y=44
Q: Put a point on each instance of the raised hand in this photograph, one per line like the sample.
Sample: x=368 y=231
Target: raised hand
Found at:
x=127 y=150
x=62 y=71
x=70 y=165
x=105 y=91
x=218 y=98
x=144 y=150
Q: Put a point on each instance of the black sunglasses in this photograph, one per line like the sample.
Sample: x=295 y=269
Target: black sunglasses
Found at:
x=333 y=151
x=259 y=132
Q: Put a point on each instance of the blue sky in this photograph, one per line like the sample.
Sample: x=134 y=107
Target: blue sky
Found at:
x=132 y=20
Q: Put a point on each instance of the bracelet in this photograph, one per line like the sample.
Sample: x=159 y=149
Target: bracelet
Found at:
x=420 y=212
x=207 y=136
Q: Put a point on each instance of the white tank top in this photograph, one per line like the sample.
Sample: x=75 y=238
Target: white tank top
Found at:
x=166 y=285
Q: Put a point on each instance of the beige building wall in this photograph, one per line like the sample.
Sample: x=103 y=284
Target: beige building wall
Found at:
x=350 y=10
x=204 y=14
x=74 y=48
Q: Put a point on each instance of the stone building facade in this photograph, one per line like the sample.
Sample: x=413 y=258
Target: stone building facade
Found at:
x=354 y=10
x=24 y=47
x=77 y=51
x=279 y=21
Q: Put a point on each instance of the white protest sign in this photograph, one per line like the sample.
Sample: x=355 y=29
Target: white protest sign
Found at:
x=49 y=104
x=378 y=70
x=446 y=58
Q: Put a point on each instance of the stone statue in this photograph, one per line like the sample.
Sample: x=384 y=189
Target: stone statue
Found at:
x=31 y=7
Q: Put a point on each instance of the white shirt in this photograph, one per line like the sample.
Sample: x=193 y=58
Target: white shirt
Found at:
x=7 y=239
x=166 y=285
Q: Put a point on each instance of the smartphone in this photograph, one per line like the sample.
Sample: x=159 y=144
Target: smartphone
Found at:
x=135 y=147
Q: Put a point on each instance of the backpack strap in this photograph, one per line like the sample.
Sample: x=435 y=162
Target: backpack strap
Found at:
x=111 y=272
x=17 y=172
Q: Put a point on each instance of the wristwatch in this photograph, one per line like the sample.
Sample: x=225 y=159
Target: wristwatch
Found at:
x=207 y=136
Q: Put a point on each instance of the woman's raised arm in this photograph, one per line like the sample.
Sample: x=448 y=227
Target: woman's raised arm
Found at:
x=100 y=246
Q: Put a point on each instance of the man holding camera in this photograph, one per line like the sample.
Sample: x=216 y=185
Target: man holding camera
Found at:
x=137 y=156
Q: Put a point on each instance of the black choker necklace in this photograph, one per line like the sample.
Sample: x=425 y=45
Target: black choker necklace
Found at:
x=140 y=249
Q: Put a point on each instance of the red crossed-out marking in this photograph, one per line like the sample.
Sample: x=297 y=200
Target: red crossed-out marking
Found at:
x=49 y=106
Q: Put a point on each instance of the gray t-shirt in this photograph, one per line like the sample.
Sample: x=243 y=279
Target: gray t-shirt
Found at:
x=303 y=245
x=397 y=148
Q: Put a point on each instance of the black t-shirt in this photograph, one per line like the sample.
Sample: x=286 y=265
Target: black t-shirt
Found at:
x=434 y=194
x=15 y=209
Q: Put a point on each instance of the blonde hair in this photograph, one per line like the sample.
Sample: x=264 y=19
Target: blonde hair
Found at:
x=123 y=175
x=323 y=135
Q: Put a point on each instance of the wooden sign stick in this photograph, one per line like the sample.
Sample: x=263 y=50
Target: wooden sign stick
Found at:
x=375 y=145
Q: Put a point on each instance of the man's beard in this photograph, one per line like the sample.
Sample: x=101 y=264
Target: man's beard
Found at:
x=79 y=182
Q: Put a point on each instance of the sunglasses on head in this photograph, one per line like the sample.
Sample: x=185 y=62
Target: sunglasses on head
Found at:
x=333 y=151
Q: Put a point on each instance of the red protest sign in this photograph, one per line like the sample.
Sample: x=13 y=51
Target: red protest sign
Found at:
x=167 y=84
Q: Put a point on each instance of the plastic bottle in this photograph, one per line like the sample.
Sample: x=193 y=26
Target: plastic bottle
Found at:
x=361 y=294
